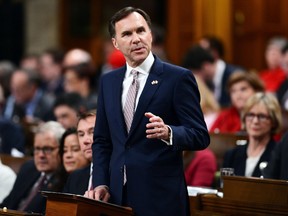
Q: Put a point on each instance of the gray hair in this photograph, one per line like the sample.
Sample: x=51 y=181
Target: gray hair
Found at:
x=51 y=126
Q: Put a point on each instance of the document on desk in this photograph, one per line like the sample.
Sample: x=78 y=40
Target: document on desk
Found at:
x=193 y=191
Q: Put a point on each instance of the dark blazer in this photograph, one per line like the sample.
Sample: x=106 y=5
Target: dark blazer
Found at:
x=224 y=99
x=11 y=136
x=236 y=158
x=77 y=182
x=155 y=179
x=278 y=165
x=43 y=108
x=26 y=178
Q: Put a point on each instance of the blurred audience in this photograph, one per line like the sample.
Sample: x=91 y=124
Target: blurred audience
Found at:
x=223 y=70
x=51 y=71
x=261 y=117
x=78 y=79
x=30 y=62
x=80 y=180
x=70 y=151
x=158 y=43
x=210 y=107
x=12 y=138
x=66 y=108
x=42 y=173
x=274 y=75
x=6 y=70
x=278 y=164
x=282 y=91
x=200 y=167
x=7 y=179
x=27 y=101
x=241 y=87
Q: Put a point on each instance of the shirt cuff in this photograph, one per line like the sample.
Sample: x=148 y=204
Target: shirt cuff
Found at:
x=170 y=142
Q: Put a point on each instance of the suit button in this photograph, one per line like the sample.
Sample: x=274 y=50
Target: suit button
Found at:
x=128 y=146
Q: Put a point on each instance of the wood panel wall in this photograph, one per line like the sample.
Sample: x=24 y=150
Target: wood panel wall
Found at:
x=243 y=25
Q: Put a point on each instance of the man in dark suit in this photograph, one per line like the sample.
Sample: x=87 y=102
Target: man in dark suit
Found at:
x=27 y=102
x=40 y=173
x=141 y=165
x=278 y=165
x=223 y=70
x=80 y=180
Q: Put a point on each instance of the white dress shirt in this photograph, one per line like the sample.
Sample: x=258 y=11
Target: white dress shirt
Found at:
x=143 y=70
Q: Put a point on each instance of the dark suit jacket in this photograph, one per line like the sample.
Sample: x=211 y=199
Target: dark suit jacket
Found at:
x=43 y=108
x=77 y=182
x=236 y=158
x=278 y=165
x=26 y=178
x=11 y=136
x=155 y=178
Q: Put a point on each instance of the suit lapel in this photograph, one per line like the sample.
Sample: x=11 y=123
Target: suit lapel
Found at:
x=152 y=84
x=117 y=89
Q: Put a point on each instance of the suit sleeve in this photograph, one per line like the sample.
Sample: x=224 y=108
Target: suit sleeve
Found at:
x=102 y=146
x=191 y=133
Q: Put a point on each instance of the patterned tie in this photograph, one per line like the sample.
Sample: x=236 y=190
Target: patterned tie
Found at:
x=37 y=186
x=129 y=107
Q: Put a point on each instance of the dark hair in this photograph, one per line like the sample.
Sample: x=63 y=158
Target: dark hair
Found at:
x=250 y=77
x=284 y=49
x=68 y=132
x=196 y=56
x=33 y=77
x=215 y=44
x=82 y=70
x=72 y=100
x=124 y=13
x=85 y=115
x=56 y=55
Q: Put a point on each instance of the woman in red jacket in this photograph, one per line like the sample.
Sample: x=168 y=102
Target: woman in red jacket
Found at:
x=241 y=86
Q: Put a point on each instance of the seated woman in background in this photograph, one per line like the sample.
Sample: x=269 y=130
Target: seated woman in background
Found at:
x=241 y=86
x=72 y=156
x=199 y=167
x=261 y=118
x=209 y=105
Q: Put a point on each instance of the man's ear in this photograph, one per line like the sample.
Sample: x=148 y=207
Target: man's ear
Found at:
x=115 y=44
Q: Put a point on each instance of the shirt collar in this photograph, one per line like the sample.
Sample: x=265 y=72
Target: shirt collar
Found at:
x=143 y=68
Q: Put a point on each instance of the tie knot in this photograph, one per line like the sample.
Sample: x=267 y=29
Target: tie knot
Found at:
x=134 y=73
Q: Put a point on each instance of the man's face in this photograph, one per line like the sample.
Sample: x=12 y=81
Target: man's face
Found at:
x=20 y=88
x=71 y=82
x=133 y=38
x=46 y=152
x=66 y=116
x=85 y=132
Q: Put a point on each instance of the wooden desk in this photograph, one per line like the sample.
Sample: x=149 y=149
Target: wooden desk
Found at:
x=222 y=142
x=61 y=204
x=244 y=196
x=16 y=213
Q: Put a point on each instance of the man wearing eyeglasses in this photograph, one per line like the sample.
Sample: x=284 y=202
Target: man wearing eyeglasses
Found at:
x=42 y=173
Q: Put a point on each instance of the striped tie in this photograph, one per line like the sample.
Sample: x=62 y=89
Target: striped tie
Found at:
x=130 y=103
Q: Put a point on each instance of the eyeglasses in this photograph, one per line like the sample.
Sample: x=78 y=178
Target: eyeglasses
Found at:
x=46 y=150
x=260 y=117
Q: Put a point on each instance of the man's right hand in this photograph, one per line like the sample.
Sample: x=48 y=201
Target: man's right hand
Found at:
x=99 y=193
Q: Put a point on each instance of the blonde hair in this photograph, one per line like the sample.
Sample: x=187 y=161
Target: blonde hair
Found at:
x=208 y=102
x=272 y=105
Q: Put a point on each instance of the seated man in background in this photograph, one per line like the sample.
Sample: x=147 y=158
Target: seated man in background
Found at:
x=67 y=107
x=80 y=180
x=27 y=101
x=42 y=173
